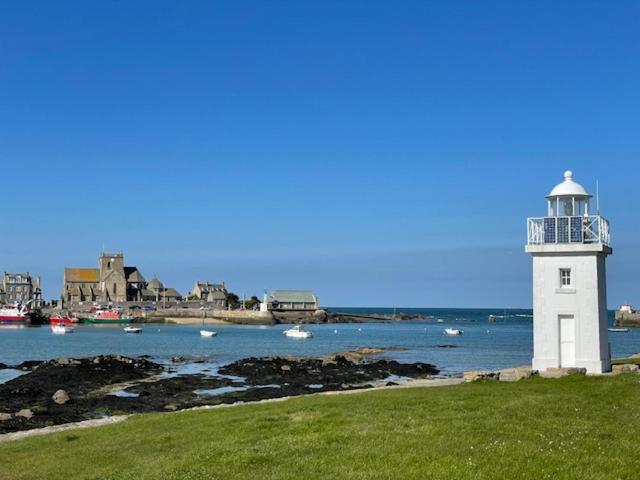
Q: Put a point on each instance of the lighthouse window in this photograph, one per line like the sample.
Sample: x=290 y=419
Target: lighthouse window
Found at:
x=565 y=277
x=567 y=207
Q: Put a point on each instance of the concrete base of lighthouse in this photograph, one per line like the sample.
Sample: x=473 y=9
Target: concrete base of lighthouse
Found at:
x=591 y=366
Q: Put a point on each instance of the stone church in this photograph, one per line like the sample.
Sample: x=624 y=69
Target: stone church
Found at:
x=111 y=282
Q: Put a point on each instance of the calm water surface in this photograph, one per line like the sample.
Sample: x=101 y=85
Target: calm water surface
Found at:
x=484 y=345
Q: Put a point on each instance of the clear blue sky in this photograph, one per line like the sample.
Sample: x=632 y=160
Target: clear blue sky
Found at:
x=379 y=153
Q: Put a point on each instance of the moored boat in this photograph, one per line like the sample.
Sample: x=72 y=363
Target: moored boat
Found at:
x=62 y=328
x=59 y=319
x=106 y=317
x=208 y=333
x=298 y=332
x=131 y=329
x=14 y=314
x=453 y=331
x=618 y=330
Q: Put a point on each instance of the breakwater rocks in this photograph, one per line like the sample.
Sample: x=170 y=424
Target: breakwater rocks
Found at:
x=326 y=316
x=627 y=319
x=71 y=390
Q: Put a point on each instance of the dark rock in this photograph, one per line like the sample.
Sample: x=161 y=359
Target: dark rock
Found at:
x=306 y=371
x=28 y=365
x=88 y=382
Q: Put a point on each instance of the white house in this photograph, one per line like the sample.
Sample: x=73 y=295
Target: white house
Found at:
x=569 y=247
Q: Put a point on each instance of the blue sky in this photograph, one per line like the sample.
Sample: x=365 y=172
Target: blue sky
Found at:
x=379 y=153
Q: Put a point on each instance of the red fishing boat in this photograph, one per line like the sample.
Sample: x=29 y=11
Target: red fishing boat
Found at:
x=14 y=314
x=59 y=319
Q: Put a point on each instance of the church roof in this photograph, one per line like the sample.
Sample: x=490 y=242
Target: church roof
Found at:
x=88 y=275
x=133 y=275
x=171 y=292
x=568 y=188
x=155 y=284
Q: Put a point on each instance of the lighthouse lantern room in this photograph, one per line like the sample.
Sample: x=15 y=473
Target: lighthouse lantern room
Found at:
x=569 y=247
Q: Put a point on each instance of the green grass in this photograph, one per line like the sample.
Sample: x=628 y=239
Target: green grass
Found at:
x=620 y=361
x=572 y=428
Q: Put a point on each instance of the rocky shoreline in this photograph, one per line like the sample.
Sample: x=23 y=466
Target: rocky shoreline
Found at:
x=68 y=390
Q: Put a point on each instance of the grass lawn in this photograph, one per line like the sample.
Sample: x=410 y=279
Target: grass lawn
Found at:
x=576 y=427
x=620 y=361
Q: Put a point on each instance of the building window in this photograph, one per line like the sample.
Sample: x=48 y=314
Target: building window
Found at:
x=565 y=278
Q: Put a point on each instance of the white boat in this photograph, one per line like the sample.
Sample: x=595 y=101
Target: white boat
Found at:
x=298 y=332
x=60 y=328
x=619 y=330
x=208 y=333
x=453 y=331
x=132 y=329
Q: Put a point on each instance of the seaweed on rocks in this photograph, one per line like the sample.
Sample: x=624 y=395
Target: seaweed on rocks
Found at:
x=338 y=372
x=114 y=384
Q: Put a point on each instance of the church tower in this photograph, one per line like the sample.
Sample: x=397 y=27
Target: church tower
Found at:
x=113 y=282
x=569 y=247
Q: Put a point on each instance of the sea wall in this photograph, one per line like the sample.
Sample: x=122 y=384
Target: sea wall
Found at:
x=252 y=317
x=195 y=315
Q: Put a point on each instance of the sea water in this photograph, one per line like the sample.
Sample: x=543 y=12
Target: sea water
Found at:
x=488 y=345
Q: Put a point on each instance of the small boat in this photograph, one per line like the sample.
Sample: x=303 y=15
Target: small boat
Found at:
x=61 y=328
x=618 y=330
x=132 y=329
x=492 y=318
x=453 y=331
x=298 y=332
x=208 y=333
x=440 y=320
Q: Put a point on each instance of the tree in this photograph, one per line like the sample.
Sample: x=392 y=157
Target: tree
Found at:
x=232 y=300
x=252 y=304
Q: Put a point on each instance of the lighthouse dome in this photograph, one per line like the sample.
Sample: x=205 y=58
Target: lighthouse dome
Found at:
x=569 y=188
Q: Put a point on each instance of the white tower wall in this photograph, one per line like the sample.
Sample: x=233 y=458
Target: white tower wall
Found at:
x=582 y=308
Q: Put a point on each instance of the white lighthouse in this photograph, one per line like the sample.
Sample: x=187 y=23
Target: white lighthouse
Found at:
x=569 y=247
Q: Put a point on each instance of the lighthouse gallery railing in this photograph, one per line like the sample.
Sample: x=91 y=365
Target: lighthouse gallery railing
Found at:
x=583 y=229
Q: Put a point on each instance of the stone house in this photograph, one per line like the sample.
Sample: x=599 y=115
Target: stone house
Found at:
x=292 y=300
x=21 y=288
x=214 y=294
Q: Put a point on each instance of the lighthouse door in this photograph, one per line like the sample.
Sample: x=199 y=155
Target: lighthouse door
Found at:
x=567 y=341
